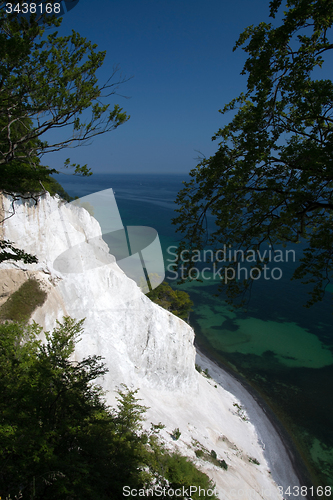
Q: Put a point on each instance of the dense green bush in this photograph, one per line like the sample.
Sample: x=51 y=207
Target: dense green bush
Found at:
x=175 y=301
x=59 y=439
x=180 y=471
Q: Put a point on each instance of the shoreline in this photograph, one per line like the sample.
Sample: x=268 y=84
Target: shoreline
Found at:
x=286 y=466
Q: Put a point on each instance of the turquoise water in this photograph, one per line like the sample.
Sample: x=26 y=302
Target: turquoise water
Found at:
x=283 y=349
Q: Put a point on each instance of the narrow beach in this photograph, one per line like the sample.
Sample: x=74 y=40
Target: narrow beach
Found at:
x=286 y=467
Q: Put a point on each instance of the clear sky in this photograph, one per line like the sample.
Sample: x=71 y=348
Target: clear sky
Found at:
x=179 y=55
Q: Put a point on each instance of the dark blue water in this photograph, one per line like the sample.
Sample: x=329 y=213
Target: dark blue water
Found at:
x=282 y=349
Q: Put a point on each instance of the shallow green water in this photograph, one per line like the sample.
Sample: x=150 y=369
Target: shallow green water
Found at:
x=286 y=361
x=292 y=344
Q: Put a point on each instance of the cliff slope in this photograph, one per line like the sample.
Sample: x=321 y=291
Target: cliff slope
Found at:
x=144 y=346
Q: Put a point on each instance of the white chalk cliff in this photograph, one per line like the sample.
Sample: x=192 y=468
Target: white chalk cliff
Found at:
x=144 y=346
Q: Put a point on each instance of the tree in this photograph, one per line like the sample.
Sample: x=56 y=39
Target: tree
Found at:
x=58 y=437
x=48 y=82
x=271 y=179
x=176 y=301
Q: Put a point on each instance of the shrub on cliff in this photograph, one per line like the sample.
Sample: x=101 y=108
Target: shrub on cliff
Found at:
x=175 y=301
x=59 y=439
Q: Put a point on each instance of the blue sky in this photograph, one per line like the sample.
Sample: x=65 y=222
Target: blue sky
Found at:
x=179 y=55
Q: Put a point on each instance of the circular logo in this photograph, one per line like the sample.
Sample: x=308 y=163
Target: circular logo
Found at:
x=39 y=8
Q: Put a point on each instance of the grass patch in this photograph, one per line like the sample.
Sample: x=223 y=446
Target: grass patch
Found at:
x=203 y=372
x=180 y=472
x=199 y=453
x=253 y=461
x=22 y=303
x=209 y=456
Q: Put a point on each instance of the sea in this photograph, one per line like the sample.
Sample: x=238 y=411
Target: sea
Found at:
x=282 y=349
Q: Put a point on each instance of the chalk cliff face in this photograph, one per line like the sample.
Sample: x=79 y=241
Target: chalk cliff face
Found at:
x=139 y=340
x=144 y=346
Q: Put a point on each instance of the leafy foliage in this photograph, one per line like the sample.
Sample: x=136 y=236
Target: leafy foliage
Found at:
x=53 y=187
x=48 y=82
x=9 y=252
x=270 y=181
x=180 y=472
x=22 y=177
x=175 y=301
x=173 y=471
x=59 y=439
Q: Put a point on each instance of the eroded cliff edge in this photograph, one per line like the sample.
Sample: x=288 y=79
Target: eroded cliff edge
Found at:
x=144 y=346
